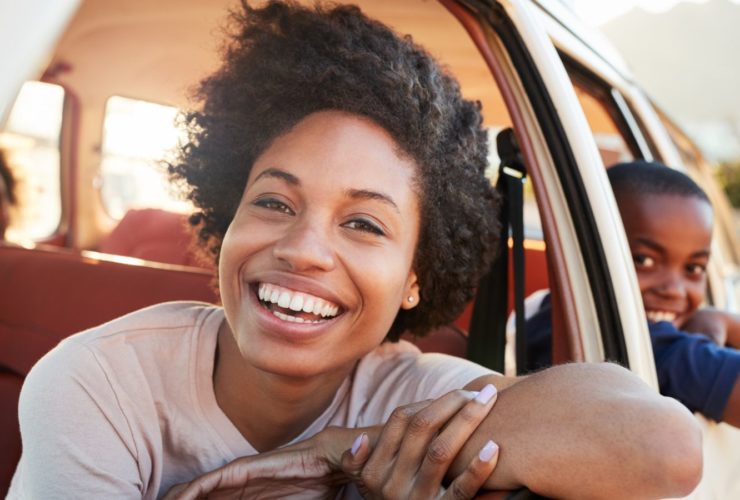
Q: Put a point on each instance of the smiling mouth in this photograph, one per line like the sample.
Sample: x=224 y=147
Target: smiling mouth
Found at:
x=656 y=316
x=296 y=307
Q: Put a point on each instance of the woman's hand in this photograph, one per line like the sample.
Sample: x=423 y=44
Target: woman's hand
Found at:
x=417 y=446
x=414 y=450
x=308 y=469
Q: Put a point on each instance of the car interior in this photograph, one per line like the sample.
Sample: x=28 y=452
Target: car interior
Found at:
x=97 y=234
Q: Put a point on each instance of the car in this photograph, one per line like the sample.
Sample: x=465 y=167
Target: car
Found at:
x=97 y=233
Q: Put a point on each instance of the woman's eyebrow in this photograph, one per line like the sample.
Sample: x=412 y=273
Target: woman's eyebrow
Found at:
x=701 y=253
x=366 y=194
x=280 y=174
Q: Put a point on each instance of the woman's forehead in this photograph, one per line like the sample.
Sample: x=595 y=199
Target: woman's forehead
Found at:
x=332 y=149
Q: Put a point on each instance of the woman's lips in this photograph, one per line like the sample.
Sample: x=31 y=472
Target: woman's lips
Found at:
x=293 y=301
x=288 y=323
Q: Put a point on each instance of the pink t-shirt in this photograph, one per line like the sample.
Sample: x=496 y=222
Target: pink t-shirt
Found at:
x=127 y=409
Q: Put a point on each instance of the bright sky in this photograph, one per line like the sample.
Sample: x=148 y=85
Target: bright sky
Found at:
x=601 y=11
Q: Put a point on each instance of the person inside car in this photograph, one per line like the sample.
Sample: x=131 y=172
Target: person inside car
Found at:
x=668 y=221
x=7 y=194
x=339 y=180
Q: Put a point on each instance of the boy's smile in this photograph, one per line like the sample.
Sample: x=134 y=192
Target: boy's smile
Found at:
x=670 y=238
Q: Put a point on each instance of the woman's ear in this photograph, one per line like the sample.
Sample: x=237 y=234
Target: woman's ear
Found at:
x=411 y=296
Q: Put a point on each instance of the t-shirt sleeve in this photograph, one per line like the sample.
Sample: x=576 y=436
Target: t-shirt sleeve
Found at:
x=399 y=374
x=76 y=440
x=694 y=370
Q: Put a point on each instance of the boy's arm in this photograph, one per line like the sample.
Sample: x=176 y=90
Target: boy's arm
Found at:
x=732 y=410
x=733 y=329
x=721 y=326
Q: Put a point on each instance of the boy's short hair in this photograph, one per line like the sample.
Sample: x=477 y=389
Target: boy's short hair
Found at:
x=640 y=177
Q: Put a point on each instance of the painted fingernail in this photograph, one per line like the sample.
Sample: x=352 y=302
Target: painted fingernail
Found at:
x=488 y=451
x=356 y=444
x=486 y=394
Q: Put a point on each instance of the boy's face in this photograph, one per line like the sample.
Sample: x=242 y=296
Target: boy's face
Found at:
x=670 y=238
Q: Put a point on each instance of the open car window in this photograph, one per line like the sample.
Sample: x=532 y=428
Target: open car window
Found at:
x=31 y=142
x=138 y=137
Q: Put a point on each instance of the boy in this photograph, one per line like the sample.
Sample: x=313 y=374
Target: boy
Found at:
x=668 y=221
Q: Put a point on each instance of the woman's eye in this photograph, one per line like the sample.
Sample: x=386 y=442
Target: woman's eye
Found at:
x=643 y=260
x=365 y=226
x=696 y=269
x=273 y=204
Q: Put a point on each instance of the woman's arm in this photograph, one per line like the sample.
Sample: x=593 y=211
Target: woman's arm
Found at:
x=588 y=430
x=408 y=457
x=578 y=430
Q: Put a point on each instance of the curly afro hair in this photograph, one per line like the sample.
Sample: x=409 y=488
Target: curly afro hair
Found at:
x=285 y=61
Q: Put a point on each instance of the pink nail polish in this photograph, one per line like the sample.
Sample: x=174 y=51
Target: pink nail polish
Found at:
x=488 y=451
x=486 y=394
x=356 y=444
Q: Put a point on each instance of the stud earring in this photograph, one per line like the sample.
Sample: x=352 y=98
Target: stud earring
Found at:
x=410 y=299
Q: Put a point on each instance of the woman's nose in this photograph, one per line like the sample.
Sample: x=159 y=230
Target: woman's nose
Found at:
x=305 y=247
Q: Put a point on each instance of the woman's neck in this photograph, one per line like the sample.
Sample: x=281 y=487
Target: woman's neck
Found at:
x=268 y=409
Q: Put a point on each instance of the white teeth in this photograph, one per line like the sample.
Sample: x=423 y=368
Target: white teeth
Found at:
x=284 y=300
x=293 y=319
x=308 y=305
x=296 y=301
x=656 y=316
x=328 y=310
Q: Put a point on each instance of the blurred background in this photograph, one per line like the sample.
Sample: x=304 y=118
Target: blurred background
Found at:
x=685 y=55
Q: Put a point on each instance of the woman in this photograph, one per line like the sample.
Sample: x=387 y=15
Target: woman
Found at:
x=339 y=180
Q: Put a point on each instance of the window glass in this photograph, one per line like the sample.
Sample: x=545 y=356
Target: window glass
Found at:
x=137 y=137
x=609 y=139
x=30 y=141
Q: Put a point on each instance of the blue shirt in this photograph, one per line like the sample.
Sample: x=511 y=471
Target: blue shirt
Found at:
x=691 y=368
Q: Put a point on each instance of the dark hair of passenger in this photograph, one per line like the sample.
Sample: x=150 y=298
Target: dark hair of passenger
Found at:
x=283 y=62
x=7 y=181
x=641 y=177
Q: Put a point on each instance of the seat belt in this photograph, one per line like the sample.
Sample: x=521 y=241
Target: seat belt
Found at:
x=487 y=337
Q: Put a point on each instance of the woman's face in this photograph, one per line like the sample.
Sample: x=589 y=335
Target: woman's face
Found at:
x=318 y=259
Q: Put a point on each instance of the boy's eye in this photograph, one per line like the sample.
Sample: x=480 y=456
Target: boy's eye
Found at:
x=365 y=226
x=273 y=204
x=643 y=260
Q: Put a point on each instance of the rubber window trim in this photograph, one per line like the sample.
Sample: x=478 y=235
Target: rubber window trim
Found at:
x=592 y=251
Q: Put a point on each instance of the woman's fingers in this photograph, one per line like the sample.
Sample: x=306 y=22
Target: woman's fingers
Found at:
x=467 y=484
x=304 y=462
x=422 y=429
x=444 y=448
x=387 y=445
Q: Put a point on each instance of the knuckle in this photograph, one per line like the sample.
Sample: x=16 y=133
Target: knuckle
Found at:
x=402 y=414
x=371 y=477
x=420 y=423
x=458 y=492
x=389 y=491
x=439 y=452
